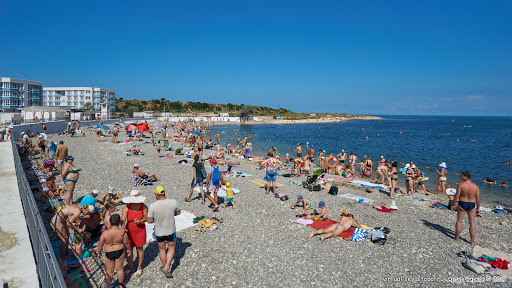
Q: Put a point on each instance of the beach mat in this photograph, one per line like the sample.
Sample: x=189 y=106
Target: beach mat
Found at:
x=367 y=184
x=323 y=224
x=72 y=260
x=355 y=197
x=182 y=221
x=263 y=183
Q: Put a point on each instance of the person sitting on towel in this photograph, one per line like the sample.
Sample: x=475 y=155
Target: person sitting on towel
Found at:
x=336 y=229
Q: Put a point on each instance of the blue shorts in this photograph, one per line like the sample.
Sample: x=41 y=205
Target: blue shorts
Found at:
x=271 y=175
x=199 y=182
x=229 y=200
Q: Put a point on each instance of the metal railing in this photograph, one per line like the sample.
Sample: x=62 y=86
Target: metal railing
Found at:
x=46 y=261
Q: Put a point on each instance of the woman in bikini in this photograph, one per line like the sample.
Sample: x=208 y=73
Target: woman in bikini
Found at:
x=271 y=165
x=65 y=219
x=117 y=247
x=409 y=179
x=336 y=229
x=368 y=166
x=441 y=181
x=382 y=170
x=70 y=177
x=394 y=179
x=352 y=161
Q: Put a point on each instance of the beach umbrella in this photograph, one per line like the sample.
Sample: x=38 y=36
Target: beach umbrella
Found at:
x=130 y=127
x=143 y=127
x=196 y=132
x=103 y=127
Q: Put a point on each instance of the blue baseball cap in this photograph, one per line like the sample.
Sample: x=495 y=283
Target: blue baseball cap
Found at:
x=299 y=197
x=321 y=204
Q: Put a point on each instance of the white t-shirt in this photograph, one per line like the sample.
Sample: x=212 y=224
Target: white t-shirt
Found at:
x=162 y=212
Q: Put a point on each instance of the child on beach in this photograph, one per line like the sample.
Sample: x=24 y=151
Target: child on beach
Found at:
x=229 y=195
x=324 y=216
x=158 y=148
x=306 y=204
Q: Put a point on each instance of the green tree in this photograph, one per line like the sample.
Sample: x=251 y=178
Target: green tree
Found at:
x=246 y=111
x=88 y=106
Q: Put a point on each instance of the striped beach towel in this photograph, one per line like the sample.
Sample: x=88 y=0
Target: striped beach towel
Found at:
x=360 y=234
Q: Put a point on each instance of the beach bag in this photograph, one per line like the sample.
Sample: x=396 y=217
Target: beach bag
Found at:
x=333 y=190
x=178 y=151
x=283 y=197
x=216 y=176
x=287 y=175
x=203 y=171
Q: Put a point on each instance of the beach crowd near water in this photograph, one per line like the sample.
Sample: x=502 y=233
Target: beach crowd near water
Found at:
x=117 y=221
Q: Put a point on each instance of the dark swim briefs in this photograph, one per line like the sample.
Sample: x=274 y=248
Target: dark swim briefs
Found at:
x=467 y=206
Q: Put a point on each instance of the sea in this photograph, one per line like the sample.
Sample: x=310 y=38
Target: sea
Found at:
x=480 y=145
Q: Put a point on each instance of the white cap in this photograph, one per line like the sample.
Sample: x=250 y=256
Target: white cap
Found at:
x=342 y=150
x=135 y=165
x=111 y=189
x=22 y=133
x=91 y=208
x=443 y=165
x=407 y=165
x=413 y=166
x=95 y=191
x=381 y=157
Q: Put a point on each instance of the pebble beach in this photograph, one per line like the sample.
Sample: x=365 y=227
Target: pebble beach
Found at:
x=257 y=246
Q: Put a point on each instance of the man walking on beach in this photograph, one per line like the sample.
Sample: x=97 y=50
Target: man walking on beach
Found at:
x=468 y=198
x=61 y=153
x=299 y=151
x=162 y=213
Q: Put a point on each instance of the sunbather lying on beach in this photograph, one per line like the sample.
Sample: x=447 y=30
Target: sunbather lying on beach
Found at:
x=336 y=229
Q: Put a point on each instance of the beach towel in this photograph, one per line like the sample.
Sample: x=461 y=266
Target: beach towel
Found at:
x=302 y=221
x=366 y=184
x=236 y=173
x=296 y=183
x=72 y=260
x=221 y=193
x=79 y=281
x=263 y=183
x=384 y=209
x=356 y=198
x=479 y=251
x=417 y=198
x=182 y=221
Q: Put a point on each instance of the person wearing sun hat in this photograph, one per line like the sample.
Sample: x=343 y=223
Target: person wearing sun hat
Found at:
x=441 y=181
x=162 y=213
x=133 y=217
x=323 y=215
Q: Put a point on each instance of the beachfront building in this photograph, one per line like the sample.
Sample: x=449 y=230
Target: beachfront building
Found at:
x=18 y=93
x=78 y=97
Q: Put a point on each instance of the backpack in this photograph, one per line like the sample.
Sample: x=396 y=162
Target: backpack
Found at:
x=216 y=176
x=333 y=190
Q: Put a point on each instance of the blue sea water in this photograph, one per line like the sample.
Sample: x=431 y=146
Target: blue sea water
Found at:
x=425 y=140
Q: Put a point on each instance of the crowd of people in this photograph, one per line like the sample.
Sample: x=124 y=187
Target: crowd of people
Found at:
x=95 y=216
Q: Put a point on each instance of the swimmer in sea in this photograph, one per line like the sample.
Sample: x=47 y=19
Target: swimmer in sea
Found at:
x=489 y=181
x=503 y=183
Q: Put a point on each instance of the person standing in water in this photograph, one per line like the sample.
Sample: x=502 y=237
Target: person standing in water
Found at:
x=299 y=151
x=468 y=198
x=441 y=181
x=352 y=161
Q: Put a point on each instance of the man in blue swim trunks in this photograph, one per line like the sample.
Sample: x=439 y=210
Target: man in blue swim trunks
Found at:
x=468 y=198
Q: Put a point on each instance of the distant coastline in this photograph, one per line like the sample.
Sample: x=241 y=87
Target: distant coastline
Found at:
x=269 y=120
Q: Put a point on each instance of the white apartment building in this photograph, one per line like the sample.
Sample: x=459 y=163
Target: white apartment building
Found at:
x=18 y=93
x=77 y=97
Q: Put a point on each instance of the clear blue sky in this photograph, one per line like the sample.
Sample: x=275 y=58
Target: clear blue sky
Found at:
x=372 y=57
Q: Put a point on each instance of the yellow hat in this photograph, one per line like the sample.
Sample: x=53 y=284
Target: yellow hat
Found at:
x=159 y=190
x=228 y=184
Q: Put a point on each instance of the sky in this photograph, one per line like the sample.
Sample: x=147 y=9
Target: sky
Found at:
x=354 y=57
